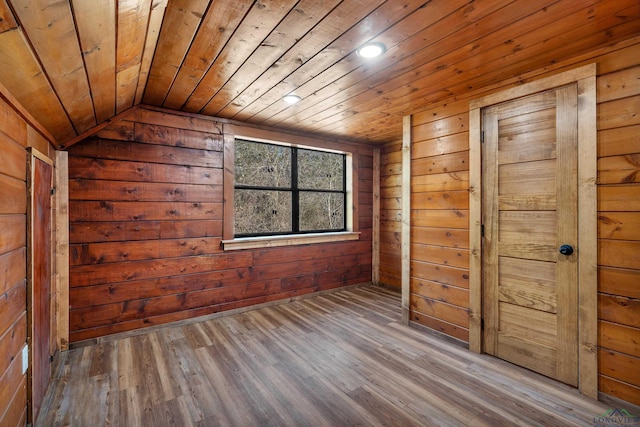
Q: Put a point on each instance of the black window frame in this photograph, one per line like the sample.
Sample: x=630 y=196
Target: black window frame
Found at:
x=296 y=191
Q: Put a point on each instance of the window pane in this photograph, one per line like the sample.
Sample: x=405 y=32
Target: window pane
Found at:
x=321 y=211
x=262 y=165
x=262 y=211
x=320 y=170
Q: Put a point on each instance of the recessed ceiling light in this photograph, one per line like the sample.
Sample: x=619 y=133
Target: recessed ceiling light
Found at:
x=371 y=50
x=291 y=99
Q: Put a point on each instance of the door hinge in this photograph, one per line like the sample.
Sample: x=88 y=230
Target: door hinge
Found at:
x=53 y=191
x=482 y=230
x=482 y=136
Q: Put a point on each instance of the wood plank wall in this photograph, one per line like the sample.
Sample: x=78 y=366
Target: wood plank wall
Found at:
x=15 y=135
x=390 y=213
x=440 y=228
x=618 y=93
x=440 y=220
x=146 y=222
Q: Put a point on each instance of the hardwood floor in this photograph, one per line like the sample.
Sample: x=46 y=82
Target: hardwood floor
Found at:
x=337 y=359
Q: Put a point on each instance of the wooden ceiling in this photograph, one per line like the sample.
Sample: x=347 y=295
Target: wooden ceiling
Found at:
x=74 y=64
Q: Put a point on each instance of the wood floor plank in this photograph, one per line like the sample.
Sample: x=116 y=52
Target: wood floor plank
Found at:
x=340 y=358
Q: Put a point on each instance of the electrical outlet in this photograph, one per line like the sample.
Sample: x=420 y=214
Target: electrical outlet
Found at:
x=25 y=358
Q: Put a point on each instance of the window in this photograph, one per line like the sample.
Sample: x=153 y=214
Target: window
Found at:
x=283 y=189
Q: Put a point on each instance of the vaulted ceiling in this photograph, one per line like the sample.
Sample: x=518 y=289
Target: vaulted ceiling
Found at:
x=74 y=64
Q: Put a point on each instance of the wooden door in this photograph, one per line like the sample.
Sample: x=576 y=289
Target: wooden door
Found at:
x=530 y=291
x=39 y=301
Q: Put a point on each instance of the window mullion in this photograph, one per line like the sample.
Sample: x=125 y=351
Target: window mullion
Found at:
x=344 y=190
x=295 y=194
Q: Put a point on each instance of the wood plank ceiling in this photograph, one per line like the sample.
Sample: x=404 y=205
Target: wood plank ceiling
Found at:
x=74 y=64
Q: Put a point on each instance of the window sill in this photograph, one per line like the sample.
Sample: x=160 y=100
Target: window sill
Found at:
x=288 y=240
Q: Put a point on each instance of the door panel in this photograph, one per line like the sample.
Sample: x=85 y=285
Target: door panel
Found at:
x=527 y=235
x=527 y=283
x=528 y=178
x=529 y=210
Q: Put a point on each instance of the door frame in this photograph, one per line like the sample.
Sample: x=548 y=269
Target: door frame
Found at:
x=585 y=78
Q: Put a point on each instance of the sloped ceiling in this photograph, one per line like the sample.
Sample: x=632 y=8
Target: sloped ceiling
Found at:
x=74 y=64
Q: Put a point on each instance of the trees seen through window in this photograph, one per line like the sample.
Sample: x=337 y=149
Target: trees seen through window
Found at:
x=287 y=190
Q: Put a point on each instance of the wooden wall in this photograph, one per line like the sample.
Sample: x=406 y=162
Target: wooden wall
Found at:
x=619 y=224
x=440 y=223
x=16 y=134
x=146 y=222
x=390 y=213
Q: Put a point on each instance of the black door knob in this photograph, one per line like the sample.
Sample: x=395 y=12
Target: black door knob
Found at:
x=566 y=249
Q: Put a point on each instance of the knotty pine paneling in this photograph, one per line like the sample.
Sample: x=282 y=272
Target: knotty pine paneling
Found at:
x=105 y=231
x=439 y=217
x=25 y=78
x=146 y=224
x=13 y=284
x=15 y=135
x=139 y=171
x=236 y=60
x=51 y=27
x=439 y=220
x=618 y=237
x=390 y=215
